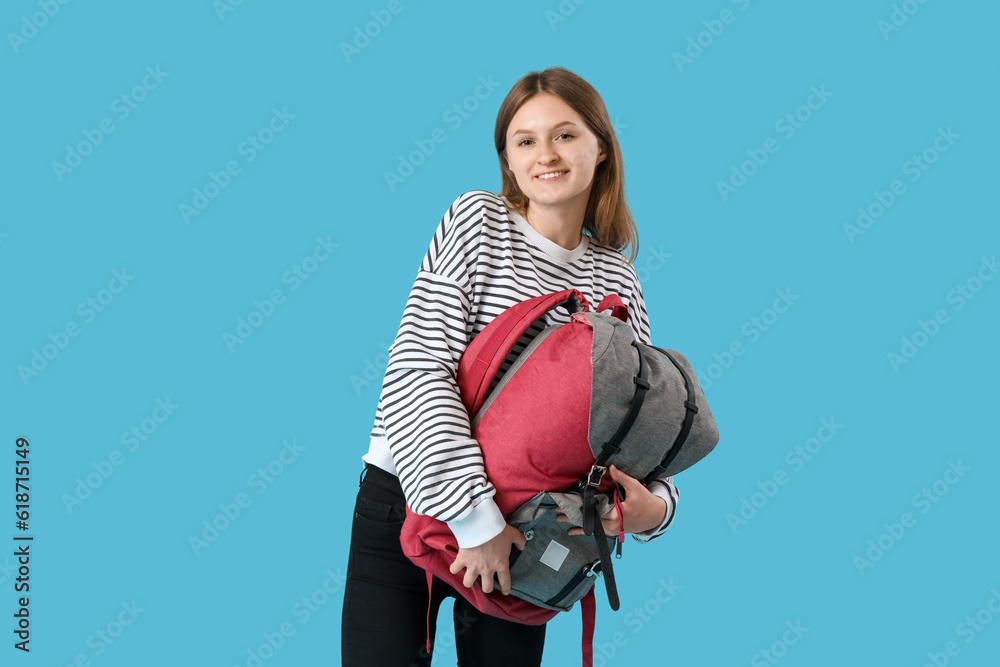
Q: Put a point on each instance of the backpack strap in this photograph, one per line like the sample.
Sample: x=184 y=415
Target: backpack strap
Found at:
x=485 y=354
x=613 y=446
x=588 y=610
x=614 y=302
x=591 y=522
x=605 y=555
x=691 y=407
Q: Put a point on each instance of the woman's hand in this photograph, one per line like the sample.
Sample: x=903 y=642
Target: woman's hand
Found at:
x=642 y=509
x=488 y=559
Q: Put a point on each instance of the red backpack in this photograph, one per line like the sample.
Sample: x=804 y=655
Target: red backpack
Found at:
x=580 y=396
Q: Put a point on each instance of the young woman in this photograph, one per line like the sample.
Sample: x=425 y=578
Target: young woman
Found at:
x=560 y=221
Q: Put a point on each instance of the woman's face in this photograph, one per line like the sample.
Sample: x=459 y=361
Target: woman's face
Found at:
x=546 y=136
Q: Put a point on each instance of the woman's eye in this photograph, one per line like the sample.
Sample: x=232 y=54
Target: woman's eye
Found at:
x=561 y=134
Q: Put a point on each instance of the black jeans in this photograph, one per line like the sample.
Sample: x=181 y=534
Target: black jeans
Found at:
x=384 y=620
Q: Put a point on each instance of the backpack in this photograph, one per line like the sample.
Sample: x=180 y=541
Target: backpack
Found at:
x=580 y=396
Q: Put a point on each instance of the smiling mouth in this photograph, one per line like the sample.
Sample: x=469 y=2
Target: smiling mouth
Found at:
x=551 y=176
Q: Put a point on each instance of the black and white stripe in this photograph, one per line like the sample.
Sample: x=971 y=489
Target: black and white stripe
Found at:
x=480 y=262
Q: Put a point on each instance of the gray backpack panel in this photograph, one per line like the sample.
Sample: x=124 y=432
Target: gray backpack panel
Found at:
x=615 y=362
x=555 y=569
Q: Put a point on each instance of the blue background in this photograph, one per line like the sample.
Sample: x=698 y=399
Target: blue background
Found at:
x=311 y=372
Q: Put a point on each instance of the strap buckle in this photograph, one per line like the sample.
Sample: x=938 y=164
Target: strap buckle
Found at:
x=595 y=475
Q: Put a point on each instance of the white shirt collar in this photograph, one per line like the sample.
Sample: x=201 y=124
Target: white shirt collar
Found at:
x=547 y=246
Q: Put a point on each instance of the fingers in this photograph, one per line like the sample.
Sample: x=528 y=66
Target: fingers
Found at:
x=503 y=575
x=470 y=580
x=625 y=480
x=520 y=541
x=610 y=526
x=484 y=574
x=487 y=575
x=487 y=583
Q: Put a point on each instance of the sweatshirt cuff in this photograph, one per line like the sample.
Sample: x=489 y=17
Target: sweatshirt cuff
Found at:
x=483 y=524
x=661 y=491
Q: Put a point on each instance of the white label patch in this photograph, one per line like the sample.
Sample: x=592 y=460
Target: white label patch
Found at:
x=554 y=555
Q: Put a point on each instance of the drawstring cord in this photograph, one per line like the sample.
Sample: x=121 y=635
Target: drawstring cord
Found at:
x=430 y=581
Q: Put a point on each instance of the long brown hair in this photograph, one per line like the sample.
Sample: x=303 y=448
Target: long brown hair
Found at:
x=608 y=218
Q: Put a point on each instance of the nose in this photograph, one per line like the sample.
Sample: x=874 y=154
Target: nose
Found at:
x=548 y=153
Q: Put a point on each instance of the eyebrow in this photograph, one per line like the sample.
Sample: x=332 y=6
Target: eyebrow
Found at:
x=555 y=127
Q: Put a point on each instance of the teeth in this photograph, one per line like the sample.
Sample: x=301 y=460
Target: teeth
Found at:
x=552 y=175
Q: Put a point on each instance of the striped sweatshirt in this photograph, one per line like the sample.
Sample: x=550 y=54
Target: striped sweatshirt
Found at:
x=484 y=258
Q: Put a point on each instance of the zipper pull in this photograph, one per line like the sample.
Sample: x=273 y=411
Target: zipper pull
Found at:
x=621 y=521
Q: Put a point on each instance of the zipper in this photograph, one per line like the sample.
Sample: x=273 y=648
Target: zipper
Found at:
x=592 y=570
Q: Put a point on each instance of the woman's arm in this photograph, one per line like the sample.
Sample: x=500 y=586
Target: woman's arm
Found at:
x=439 y=463
x=647 y=510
